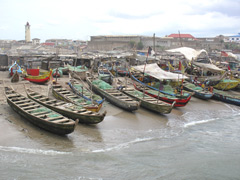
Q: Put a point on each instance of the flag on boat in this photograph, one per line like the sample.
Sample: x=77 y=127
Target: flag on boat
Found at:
x=150 y=51
x=224 y=54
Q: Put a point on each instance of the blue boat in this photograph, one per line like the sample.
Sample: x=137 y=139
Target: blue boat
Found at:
x=199 y=92
x=226 y=97
x=82 y=91
x=15 y=68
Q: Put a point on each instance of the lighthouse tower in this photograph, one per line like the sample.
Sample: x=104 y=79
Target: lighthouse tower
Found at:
x=27 y=33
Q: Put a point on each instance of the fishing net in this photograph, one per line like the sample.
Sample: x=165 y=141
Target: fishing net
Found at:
x=102 y=84
x=38 y=110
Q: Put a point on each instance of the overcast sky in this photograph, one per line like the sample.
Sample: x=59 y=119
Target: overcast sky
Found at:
x=78 y=19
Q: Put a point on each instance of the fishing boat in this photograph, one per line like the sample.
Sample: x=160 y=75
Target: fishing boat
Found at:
x=181 y=99
x=199 y=92
x=105 y=75
x=77 y=72
x=226 y=97
x=179 y=102
x=64 y=94
x=84 y=92
x=226 y=84
x=148 y=102
x=67 y=109
x=39 y=78
x=39 y=115
x=152 y=72
x=15 y=68
x=113 y=95
x=121 y=71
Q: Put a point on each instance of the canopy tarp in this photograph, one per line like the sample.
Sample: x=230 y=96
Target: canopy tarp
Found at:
x=155 y=71
x=210 y=67
x=189 y=53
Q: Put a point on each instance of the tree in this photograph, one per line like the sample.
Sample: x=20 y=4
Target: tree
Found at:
x=132 y=44
x=140 y=45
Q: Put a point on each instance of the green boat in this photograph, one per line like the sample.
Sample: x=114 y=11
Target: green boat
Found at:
x=39 y=115
x=67 y=109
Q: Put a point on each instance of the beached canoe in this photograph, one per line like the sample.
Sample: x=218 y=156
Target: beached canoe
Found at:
x=67 y=109
x=226 y=84
x=179 y=102
x=64 y=94
x=199 y=92
x=113 y=95
x=226 y=96
x=86 y=93
x=105 y=75
x=148 y=102
x=39 y=115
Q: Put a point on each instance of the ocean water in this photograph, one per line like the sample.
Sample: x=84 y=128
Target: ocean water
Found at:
x=198 y=141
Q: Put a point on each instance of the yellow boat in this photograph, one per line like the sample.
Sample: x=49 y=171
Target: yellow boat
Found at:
x=226 y=84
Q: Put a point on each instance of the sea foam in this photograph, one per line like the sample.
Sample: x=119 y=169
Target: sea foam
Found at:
x=32 y=151
x=193 y=123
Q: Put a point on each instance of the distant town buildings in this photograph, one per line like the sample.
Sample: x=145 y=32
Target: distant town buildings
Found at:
x=234 y=38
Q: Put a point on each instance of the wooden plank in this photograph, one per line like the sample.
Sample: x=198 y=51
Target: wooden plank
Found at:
x=37 y=96
x=87 y=112
x=40 y=113
x=60 y=103
x=37 y=105
x=61 y=120
x=53 y=118
x=22 y=101
x=50 y=101
x=26 y=104
x=13 y=95
x=43 y=98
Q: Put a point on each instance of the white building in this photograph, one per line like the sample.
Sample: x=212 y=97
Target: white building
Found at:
x=234 y=38
x=36 y=41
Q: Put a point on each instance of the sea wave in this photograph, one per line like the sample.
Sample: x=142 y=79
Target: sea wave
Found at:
x=193 y=123
x=32 y=151
x=123 y=145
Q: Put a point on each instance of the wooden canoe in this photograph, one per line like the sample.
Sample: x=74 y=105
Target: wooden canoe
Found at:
x=105 y=75
x=84 y=92
x=42 y=78
x=67 y=109
x=113 y=95
x=199 y=92
x=39 y=115
x=179 y=102
x=225 y=96
x=64 y=94
x=226 y=84
x=148 y=102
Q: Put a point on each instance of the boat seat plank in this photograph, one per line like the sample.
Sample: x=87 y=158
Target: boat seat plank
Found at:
x=40 y=114
x=87 y=112
x=53 y=118
x=13 y=95
x=126 y=99
x=60 y=103
x=50 y=101
x=115 y=93
x=43 y=98
x=61 y=120
x=122 y=97
x=26 y=104
x=29 y=107
x=23 y=101
x=36 y=96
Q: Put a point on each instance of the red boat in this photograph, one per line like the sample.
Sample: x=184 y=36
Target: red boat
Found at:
x=179 y=101
x=35 y=76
